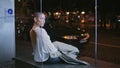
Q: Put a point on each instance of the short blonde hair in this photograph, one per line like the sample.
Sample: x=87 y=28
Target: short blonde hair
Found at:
x=38 y=14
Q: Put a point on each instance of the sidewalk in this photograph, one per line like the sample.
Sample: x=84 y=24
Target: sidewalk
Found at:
x=100 y=63
x=24 y=49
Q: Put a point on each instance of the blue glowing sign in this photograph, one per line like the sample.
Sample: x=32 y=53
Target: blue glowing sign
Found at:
x=10 y=11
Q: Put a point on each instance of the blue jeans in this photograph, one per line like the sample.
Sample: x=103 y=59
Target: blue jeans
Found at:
x=54 y=60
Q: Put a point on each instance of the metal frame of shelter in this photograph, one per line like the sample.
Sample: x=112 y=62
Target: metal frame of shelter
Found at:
x=96 y=30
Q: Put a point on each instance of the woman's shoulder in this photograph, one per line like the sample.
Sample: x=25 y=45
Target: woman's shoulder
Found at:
x=34 y=28
x=37 y=29
x=31 y=31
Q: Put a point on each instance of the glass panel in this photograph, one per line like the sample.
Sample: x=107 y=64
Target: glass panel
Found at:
x=67 y=22
x=108 y=31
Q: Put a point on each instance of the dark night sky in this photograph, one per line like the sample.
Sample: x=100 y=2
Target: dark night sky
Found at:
x=109 y=5
x=106 y=6
x=68 y=4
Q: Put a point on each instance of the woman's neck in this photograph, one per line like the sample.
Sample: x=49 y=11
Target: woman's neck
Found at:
x=36 y=25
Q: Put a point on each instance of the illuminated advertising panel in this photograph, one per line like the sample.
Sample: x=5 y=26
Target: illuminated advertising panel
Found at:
x=7 y=31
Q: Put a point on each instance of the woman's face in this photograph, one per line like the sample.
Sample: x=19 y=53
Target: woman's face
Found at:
x=40 y=21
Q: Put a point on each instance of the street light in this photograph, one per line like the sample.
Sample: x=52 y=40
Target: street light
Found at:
x=83 y=20
x=19 y=0
x=67 y=13
x=83 y=12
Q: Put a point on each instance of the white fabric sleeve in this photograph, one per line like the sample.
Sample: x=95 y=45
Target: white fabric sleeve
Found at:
x=45 y=41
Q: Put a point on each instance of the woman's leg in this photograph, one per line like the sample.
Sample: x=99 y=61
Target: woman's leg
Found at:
x=65 y=47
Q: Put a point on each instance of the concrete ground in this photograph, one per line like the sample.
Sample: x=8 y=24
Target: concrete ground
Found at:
x=24 y=49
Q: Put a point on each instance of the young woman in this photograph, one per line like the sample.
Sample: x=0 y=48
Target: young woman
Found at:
x=46 y=51
x=42 y=45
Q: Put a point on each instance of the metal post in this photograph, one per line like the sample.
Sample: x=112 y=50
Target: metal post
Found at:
x=96 y=40
x=41 y=6
x=41 y=31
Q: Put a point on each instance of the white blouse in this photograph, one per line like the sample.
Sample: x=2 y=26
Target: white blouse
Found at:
x=44 y=46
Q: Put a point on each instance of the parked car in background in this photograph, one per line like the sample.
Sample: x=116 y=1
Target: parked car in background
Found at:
x=67 y=33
